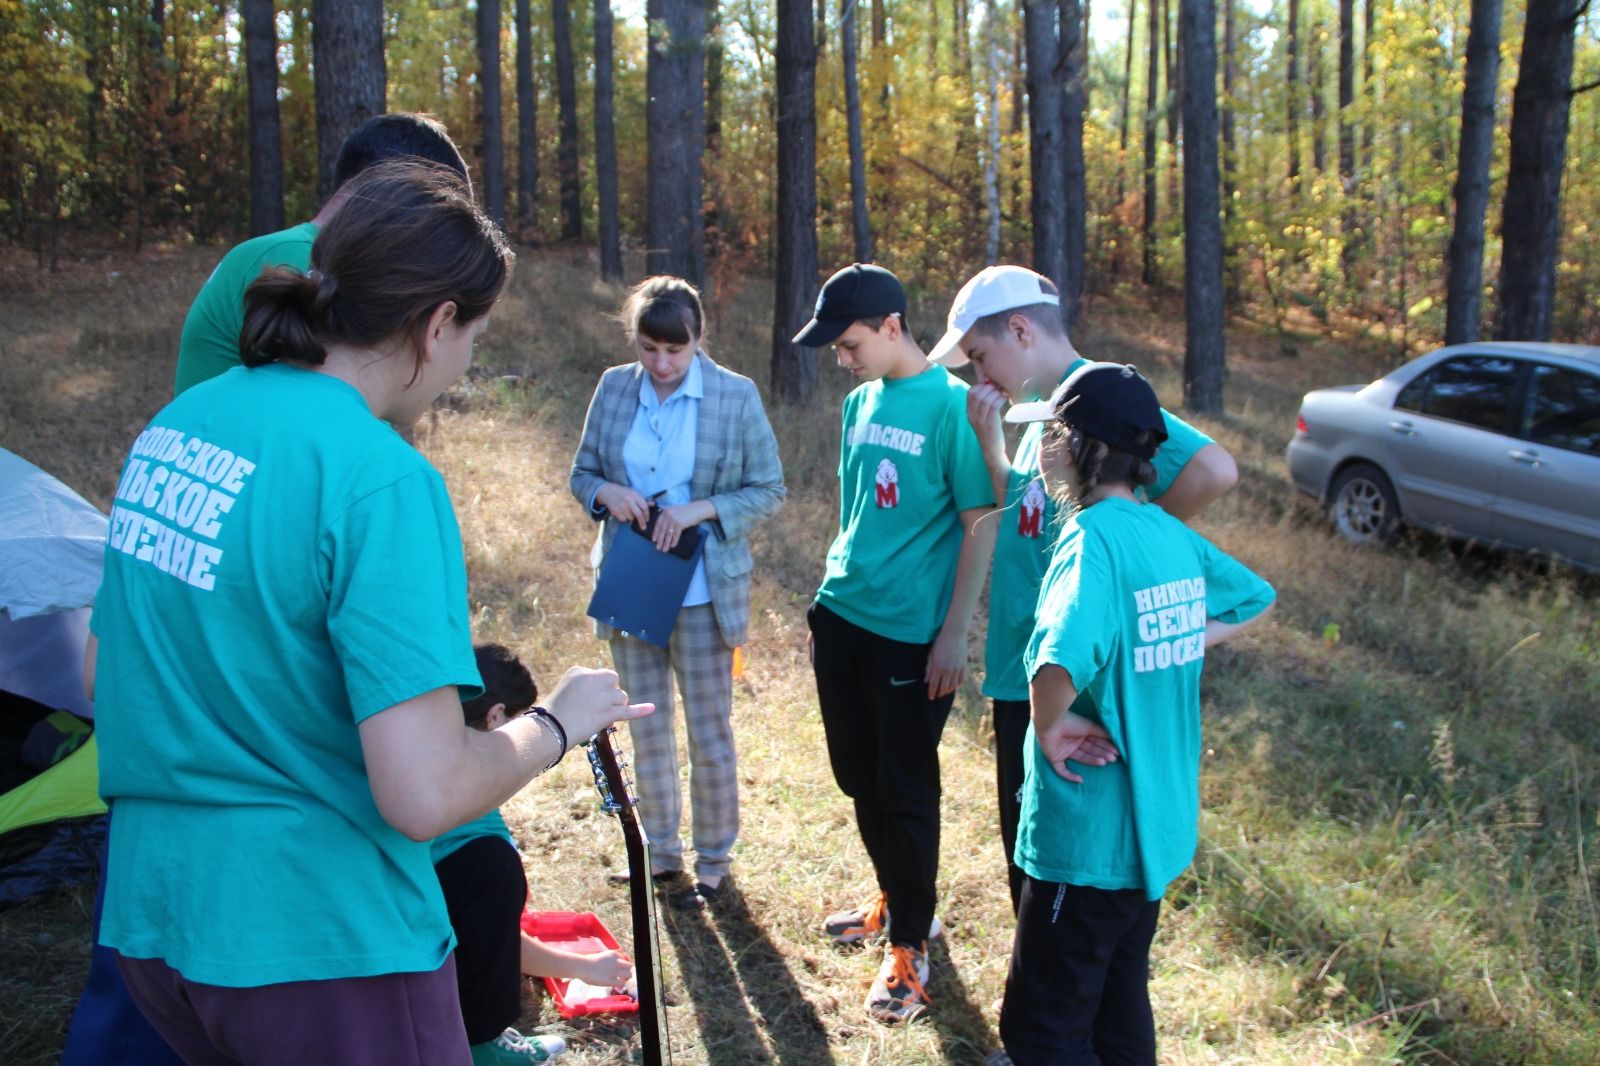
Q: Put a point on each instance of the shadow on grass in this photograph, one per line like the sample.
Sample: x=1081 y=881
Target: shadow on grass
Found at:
x=963 y=1030
x=731 y=967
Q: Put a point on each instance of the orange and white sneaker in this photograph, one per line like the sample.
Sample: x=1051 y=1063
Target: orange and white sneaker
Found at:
x=866 y=923
x=898 y=993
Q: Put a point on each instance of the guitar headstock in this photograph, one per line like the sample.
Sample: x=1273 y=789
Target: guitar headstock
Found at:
x=610 y=780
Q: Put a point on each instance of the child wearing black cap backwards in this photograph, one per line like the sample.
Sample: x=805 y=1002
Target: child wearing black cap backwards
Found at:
x=1110 y=807
x=889 y=625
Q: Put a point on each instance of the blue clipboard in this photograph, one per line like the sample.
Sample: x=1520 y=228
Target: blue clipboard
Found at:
x=641 y=588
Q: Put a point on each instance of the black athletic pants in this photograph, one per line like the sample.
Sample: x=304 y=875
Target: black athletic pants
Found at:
x=1078 y=990
x=883 y=741
x=485 y=891
x=1011 y=719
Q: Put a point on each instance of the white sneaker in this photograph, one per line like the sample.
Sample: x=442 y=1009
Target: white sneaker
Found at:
x=899 y=993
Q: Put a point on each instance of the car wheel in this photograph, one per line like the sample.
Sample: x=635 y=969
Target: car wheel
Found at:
x=1363 y=506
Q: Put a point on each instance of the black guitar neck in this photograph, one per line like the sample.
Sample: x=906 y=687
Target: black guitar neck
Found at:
x=617 y=798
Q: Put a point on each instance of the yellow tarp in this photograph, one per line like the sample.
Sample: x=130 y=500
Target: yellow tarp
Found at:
x=69 y=789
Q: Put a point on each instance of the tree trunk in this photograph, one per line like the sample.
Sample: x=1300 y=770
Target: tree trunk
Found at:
x=1464 y=284
x=1292 y=94
x=494 y=165
x=1124 y=236
x=605 y=145
x=860 y=222
x=1230 y=159
x=794 y=369
x=1171 y=32
x=1074 y=55
x=567 y=124
x=351 y=80
x=1530 y=227
x=1347 y=133
x=528 y=122
x=266 y=144
x=1369 y=86
x=676 y=129
x=1319 y=105
x=1045 y=151
x=712 y=219
x=991 y=121
x=1205 y=352
x=1152 y=88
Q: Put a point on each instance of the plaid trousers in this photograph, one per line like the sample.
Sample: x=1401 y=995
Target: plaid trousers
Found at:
x=704 y=668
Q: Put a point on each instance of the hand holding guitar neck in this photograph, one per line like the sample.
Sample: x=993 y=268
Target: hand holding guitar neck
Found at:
x=587 y=701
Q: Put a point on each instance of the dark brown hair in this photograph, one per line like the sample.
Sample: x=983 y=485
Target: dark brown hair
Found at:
x=394 y=136
x=1097 y=463
x=505 y=680
x=665 y=309
x=408 y=239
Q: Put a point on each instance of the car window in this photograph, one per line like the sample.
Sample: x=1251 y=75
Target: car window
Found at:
x=1474 y=389
x=1564 y=409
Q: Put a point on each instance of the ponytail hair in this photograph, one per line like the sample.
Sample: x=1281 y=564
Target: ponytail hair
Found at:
x=1097 y=463
x=408 y=238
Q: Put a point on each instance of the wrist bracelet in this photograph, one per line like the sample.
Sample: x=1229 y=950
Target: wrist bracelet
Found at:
x=552 y=725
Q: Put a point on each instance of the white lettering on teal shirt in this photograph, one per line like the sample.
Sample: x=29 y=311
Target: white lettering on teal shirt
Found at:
x=900 y=440
x=1172 y=624
x=196 y=500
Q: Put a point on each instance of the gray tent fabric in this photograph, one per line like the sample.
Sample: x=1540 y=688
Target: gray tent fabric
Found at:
x=52 y=542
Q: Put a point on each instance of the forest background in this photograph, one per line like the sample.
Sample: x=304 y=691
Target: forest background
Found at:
x=1345 y=138
x=1402 y=770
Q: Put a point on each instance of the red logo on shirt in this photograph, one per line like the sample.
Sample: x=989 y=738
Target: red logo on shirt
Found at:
x=888 y=484
x=1030 y=513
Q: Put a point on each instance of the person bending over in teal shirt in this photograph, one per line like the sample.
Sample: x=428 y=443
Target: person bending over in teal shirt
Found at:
x=281 y=650
x=209 y=344
x=889 y=626
x=1006 y=321
x=485 y=891
x=1111 y=800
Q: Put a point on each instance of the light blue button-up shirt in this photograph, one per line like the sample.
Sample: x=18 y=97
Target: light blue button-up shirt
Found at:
x=658 y=453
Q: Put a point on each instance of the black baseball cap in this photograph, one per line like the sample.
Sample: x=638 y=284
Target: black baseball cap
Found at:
x=860 y=290
x=1111 y=402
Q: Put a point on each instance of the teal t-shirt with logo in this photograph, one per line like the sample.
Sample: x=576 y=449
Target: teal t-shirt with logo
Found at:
x=489 y=825
x=209 y=344
x=1123 y=610
x=281 y=565
x=909 y=464
x=1023 y=544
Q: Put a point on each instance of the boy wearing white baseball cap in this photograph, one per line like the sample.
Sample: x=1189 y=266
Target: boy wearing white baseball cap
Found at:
x=1006 y=321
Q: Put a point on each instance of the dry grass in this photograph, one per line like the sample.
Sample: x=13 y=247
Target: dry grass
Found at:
x=1399 y=782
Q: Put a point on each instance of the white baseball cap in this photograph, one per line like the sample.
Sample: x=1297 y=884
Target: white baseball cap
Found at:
x=990 y=291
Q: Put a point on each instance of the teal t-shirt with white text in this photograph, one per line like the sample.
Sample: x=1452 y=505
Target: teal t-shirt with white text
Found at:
x=281 y=565
x=1026 y=536
x=909 y=464
x=209 y=343
x=1123 y=610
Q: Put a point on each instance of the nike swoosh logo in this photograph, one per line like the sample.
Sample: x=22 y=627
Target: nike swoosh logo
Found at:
x=897 y=683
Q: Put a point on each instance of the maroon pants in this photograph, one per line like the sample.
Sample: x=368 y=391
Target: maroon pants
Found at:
x=398 y=1019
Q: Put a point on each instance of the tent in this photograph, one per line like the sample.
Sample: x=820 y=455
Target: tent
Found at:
x=51 y=815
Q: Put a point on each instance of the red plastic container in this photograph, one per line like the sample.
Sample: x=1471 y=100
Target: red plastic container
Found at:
x=576 y=932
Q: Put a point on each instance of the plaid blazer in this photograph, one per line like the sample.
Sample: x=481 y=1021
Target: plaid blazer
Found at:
x=736 y=467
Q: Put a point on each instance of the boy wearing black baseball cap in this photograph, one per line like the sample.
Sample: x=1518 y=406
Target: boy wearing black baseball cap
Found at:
x=890 y=620
x=1110 y=807
x=1006 y=321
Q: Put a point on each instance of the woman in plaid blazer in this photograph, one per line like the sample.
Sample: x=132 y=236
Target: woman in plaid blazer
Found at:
x=674 y=429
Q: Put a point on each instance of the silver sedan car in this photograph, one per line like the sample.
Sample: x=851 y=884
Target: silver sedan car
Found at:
x=1497 y=442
